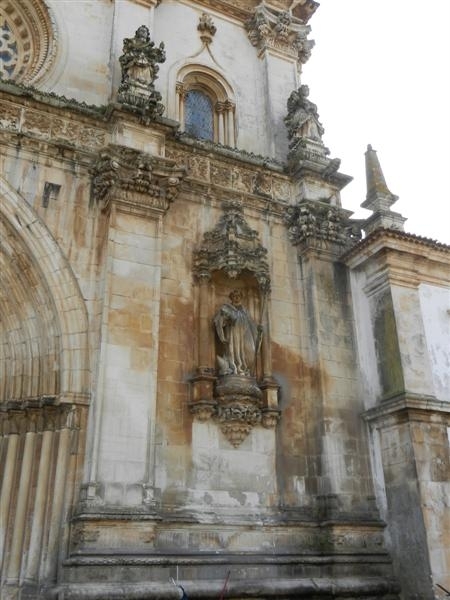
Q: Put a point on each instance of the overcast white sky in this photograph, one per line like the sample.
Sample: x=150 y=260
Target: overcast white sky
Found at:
x=380 y=74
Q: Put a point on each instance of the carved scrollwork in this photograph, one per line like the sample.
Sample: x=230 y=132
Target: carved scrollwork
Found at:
x=271 y=28
x=203 y=410
x=122 y=169
x=239 y=402
x=320 y=221
x=270 y=417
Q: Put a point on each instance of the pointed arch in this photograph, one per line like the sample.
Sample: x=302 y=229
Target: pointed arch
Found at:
x=43 y=317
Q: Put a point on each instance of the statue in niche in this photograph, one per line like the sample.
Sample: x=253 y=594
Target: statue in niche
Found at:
x=240 y=336
x=302 y=120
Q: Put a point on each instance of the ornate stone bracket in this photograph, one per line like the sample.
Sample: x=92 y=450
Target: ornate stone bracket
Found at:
x=233 y=397
x=269 y=28
x=319 y=223
x=139 y=71
x=135 y=178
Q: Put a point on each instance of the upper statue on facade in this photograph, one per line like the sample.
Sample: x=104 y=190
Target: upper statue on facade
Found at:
x=239 y=335
x=139 y=71
x=304 y=129
x=302 y=119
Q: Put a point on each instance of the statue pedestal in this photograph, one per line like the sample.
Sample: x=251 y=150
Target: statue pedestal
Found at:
x=239 y=404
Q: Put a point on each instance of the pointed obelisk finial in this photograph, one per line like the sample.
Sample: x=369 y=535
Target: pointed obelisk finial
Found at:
x=378 y=194
x=379 y=198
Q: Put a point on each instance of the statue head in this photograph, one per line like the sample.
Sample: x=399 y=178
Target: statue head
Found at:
x=235 y=297
x=304 y=90
x=142 y=33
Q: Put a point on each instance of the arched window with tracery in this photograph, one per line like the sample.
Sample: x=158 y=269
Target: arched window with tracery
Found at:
x=205 y=105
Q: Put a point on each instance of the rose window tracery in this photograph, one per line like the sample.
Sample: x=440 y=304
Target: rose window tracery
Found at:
x=8 y=50
x=27 y=40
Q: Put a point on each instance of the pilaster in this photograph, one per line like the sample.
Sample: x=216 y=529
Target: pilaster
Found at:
x=281 y=42
x=134 y=190
x=413 y=440
x=339 y=458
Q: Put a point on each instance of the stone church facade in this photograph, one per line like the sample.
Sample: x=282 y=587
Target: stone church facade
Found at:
x=211 y=375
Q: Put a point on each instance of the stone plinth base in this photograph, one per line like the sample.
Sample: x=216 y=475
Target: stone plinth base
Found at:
x=281 y=588
x=136 y=557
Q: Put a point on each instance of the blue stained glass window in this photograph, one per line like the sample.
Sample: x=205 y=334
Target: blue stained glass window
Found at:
x=198 y=115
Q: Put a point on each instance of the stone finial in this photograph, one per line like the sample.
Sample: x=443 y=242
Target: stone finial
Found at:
x=139 y=71
x=378 y=194
x=206 y=28
x=379 y=198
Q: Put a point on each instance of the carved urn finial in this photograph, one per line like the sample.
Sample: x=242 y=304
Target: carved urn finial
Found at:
x=379 y=198
x=139 y=63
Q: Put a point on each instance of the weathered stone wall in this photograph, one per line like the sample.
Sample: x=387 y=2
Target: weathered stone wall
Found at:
x=122 y=464
x=434 y=301
x=397 y=291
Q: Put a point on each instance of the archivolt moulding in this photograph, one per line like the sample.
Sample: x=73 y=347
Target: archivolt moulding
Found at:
x=44 y=348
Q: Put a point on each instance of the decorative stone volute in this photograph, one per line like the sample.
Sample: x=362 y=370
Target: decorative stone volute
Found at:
x=280 y=30
x=233 y=247
x=379 y=198
x=139 y=71
x=135 y=178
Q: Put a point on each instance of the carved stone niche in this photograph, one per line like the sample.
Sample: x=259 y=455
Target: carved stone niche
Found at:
x=233 y=383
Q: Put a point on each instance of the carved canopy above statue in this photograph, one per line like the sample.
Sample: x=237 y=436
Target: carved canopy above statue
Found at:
x=233 y=247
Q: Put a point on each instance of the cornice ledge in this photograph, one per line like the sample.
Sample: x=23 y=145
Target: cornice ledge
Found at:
x=229 y=152
x=405 y=403
x=391 y=239
x=237 y=9
x=55 y=100
x=147 y=3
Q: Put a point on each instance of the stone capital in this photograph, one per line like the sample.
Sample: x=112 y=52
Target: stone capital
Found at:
x=314 y=224
x=277 y=30
x=135 y=181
